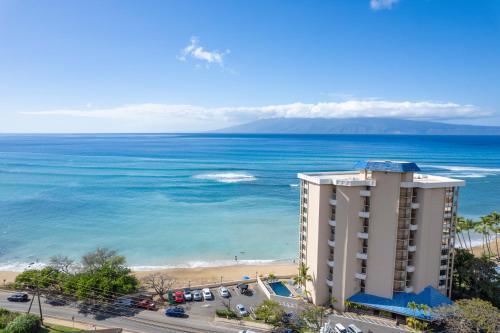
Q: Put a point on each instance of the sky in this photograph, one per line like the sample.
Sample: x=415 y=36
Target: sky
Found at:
x=188 y=66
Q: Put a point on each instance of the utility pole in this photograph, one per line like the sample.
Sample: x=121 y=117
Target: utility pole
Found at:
x=39 y=303
x=31 y=303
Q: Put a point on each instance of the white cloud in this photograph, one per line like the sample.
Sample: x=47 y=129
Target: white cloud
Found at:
x=424 y=110
x=195 y=51
x=382 y=4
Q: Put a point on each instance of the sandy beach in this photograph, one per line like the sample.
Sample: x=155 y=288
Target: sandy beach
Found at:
x=202 y=275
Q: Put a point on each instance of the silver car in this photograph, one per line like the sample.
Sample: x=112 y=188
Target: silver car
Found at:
x=223 y=292
x=241 y=310
x=197 y=295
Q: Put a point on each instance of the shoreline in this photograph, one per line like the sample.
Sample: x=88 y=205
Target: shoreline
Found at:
x=185 y=276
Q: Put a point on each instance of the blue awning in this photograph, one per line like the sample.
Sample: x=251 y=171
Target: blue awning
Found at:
x=390 y=166
x=399 y=303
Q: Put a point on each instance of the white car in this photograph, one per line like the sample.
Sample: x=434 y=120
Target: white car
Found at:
x=339 y=328
x=223 y=292
x=353 y=329
x=246 y=331
x=241 y=310
x=207 y=294
x=188 y=295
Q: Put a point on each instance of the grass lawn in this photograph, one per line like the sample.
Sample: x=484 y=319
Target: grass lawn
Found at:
x=49 y=328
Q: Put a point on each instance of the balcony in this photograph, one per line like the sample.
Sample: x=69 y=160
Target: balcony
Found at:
x=330 y=263
x=329 y=282
x=360 y=276
x=362 y=256
x=415 y=205
x=409 y=289
x=412 y=248
x=333 y=202
x=304 y=214
x=413 y=227
x=444 y=246
x=410 y=269
x=363 y=235
x=447 y=215
x=332 y=223
x=365 y=193
x=442 y=286
x=442 y=267
x=444 y=256
x=365 y=215
x=442 y=277
x=331 y=243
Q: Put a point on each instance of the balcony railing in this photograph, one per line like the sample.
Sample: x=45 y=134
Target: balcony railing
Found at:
x=413 y=227
x=362 y=256
x=363 y=235
x=332 y=223
x=364 y=214
x=365 y=193
x=360 y=276
x=333 y=202
x=412 y=248
x=331 y=243
x=410 y=268
x=329 y=282
x=415 y=205
x=408 y=289
x=331 y=263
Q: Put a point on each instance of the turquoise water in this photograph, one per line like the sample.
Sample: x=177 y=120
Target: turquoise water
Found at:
x=280 y=289
x=169 y=200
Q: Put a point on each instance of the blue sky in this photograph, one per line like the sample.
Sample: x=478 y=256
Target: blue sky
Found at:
x=167 y=66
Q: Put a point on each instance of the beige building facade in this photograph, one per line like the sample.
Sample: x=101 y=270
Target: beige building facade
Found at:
x=380 y=230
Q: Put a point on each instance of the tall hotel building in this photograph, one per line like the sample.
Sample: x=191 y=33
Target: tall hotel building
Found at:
x=381 y=230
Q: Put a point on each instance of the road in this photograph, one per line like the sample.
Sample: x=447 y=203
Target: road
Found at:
x=143 y=321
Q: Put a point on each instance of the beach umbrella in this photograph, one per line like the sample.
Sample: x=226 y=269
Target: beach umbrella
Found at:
x=246 y=277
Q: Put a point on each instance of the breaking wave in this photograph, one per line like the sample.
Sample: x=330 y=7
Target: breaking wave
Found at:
x=227 y=177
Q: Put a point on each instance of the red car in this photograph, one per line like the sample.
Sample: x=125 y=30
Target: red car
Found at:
x=147 y=304
x=179 y=297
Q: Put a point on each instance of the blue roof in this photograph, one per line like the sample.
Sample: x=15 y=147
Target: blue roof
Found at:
x=391 y=166
x=399 y=303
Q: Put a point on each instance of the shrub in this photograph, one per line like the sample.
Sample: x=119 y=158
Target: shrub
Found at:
x=6 y=317
x=226 y=313
x=25 y=323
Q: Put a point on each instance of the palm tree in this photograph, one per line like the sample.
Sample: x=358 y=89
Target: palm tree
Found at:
x=460 y=227
x=482 y=227
x=494 y=226
x=302 y=277
x=469 y=225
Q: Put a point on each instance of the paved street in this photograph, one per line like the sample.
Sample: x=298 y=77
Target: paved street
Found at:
x=142 y=321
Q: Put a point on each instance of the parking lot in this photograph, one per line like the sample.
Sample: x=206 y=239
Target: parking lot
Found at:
x=207 y=308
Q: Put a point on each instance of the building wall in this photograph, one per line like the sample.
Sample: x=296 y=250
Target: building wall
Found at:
x=428 y=238
x=382 y=234
x=318 y=232
x=347 y=244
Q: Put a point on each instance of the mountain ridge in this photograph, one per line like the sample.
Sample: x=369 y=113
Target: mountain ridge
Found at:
x=356 y=126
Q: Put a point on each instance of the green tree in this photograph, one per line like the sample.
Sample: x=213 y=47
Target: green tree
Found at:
x=49 y=279
x=475 y=277
x=25 y=323
x=470 y=315
x=270 y=312
x=494 y=227
x=314 y=317
x=271 y=277
x=302 y=277
x=460 y=228
x=483 y=227
x=101 y=257
x=468 y=226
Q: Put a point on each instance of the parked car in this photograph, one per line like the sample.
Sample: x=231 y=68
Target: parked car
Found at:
x=339 y=328
x=197 y=295
x=207 y=294
x=246 y=331
x=188 y=295
x=353 y=329
x=175 y=312
x=223 y=292
x=18 y=297
x=240 y=308
x=179 y=297
x=146 y=304
x=124 y=302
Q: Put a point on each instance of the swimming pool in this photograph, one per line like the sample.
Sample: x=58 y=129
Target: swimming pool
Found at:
x=280 y=289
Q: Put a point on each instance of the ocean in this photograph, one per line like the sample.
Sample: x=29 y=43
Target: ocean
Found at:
x=189 y=200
